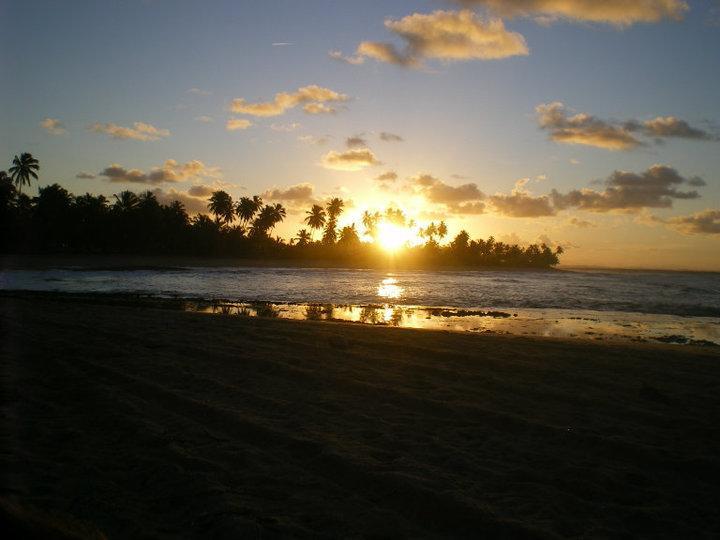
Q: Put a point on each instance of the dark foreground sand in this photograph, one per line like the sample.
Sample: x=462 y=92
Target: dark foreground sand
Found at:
x=132 y=422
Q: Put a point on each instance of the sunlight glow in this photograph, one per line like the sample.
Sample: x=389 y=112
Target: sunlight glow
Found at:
x=392 y=237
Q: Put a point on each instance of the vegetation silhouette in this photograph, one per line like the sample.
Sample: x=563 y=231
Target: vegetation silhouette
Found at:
x=57 y=222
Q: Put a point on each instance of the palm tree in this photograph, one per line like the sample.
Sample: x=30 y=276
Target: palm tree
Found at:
x=126 y=201
x=221 y=204
x=369 y=221
x=334 y=208
x=278 y=214
x=247 y=207
x=431 y=231
x=316 y=217
x=24 y=169
x=349 y=235
x=442 y=230
x=267 y=218
x=303 y=237
x=330 y=232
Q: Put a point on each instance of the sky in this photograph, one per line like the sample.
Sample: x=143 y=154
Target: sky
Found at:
x=592 y=125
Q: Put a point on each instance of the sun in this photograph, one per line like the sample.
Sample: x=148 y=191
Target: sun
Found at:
x=392 y=237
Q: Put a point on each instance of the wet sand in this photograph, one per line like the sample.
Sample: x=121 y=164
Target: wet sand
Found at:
x=131 y=421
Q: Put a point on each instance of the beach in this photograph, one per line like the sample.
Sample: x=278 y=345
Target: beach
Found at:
x=129 y=421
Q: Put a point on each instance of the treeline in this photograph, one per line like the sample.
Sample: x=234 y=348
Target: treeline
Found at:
x=57 y=221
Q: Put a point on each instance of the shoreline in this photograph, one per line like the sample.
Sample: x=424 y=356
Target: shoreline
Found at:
x=564 y=324
x=143 y=262
x=152 y=262
x=141 y=422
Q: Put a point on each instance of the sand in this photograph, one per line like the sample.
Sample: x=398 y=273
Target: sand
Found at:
x=132 y=422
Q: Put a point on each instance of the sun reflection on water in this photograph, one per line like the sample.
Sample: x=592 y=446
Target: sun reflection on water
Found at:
x=389 y=288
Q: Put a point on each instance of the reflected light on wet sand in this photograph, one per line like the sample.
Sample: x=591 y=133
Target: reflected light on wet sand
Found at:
x=389 y=288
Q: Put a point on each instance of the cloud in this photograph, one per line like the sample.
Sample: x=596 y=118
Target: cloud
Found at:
x=170 y=172
x=437 y=191
x=669 y=126
x=195 y=200
x=441 y=35
x=616 y=12
x=85 y=175
x=469 y=209
x=139 y=132
x=705 y=222
x=312 y=139
x=201 y=191
x=199 y=92
x=285 y=127
x=627 y=191
x=313 y=98
x=583 y=129
x=53 y=126
x=236 y=124
x=390 y=137
x=581 y=223
x=356 y=142
x=589 y=130
x=389 y=176
x=297 y=193
x=318 y=108
x=350 y=160
x=204 y=119
x=354 y=60
x=522 y=204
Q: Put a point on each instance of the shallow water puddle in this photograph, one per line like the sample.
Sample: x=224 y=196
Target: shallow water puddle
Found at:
x=593 y=325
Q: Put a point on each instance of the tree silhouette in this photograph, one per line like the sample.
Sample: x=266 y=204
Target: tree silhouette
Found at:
x=303 y=237
x=334 y=208
x=349 y=236
x=247 y=208
x=24 y=168
x=442 y=230
x=126 y=201
x=222 y=206
x=316 y=217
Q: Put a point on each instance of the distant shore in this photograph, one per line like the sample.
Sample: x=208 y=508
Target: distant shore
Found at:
x=136 y=262
x=130 y=421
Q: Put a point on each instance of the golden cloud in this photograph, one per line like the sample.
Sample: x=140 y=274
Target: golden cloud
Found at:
x=350 y=160
x=629 y=192
x=313 y=97
x=617 y=12
x=139 y=132
x=589 y=130
x=297 y=193
x=583 y=129
x=442 y=35
x=170 y=172
x=236 y=124
x=705 y=222
x=53 y=126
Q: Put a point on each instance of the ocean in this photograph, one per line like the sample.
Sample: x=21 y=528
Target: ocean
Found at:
x=676 y=307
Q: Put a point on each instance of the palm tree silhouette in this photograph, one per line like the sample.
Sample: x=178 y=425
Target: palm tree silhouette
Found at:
x=316 y=217
x=303 y=237
x=334 y=208
x=221 y=204
x=268 y=217
x=247 y=208
x=24 y=169
x=369 y=221
x=442 y=230
x=126 y=201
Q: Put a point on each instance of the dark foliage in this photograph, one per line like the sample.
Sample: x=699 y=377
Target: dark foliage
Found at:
x=57 y=221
